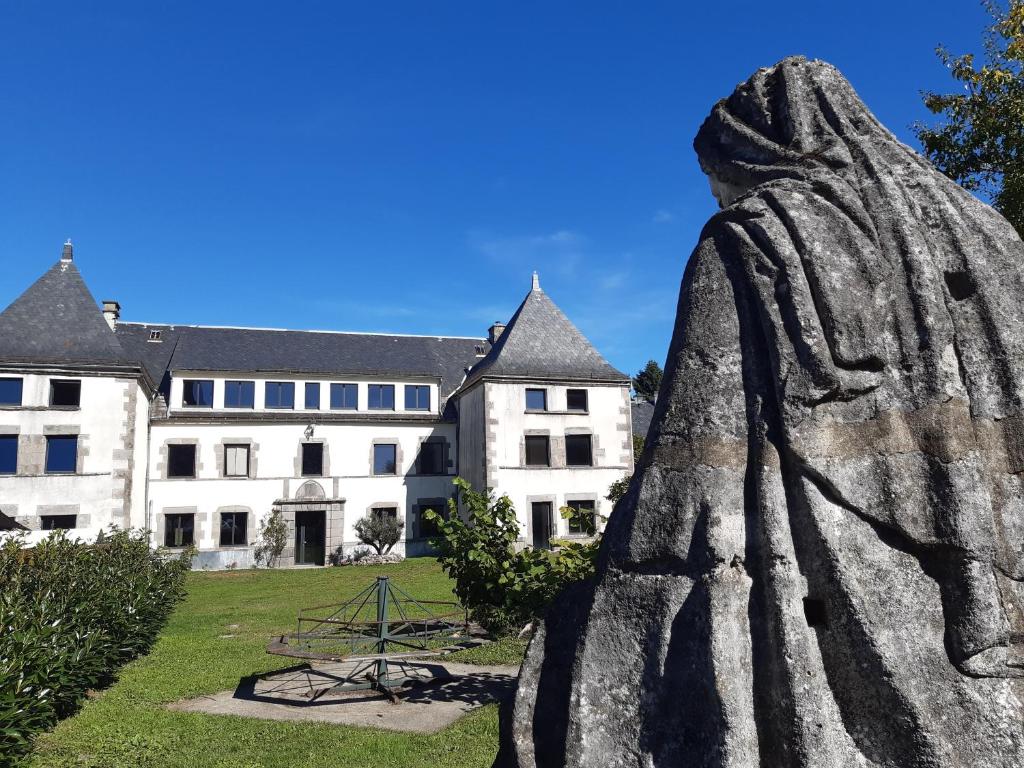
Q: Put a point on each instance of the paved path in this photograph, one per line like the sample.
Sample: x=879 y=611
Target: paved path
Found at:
x=300 y=693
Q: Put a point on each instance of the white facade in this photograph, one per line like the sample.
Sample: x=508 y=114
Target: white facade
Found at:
x=200 y=434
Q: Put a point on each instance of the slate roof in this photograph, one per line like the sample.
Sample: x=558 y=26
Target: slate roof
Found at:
x=541 y=342
x=56 y=320
x=254 y=350
x=642 y=412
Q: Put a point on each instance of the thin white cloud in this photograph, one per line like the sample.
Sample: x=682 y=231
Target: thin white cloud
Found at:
x=663 y=216
x=561 y=250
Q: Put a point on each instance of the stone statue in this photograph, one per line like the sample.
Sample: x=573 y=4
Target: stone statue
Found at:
x=820 y=559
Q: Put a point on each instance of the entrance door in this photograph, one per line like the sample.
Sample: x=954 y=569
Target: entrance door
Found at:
x=310 y=537
x=542 y=525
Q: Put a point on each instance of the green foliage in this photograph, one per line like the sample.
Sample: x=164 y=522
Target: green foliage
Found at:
x=981 y=143
x=273 y=538
x=218 y=635
x=379 y=531
x=502 y=586
x=71 y=614
x=648 y=381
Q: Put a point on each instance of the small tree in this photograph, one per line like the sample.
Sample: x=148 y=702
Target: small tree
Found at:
x=648 y=381
x=980 y=141
x=273 y=538
x=501 y=585
x=379 y=531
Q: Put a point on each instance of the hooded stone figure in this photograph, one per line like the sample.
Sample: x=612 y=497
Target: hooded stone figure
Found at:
x=820 y=558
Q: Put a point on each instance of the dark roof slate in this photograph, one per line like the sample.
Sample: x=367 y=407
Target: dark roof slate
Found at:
x=643 y=413
x=56 y=320
x=540 y=341
x=251 y=350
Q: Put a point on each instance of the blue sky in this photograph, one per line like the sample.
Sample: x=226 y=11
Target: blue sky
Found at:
x=402 y=167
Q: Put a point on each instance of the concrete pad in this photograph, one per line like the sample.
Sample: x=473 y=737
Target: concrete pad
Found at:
x=302 y=693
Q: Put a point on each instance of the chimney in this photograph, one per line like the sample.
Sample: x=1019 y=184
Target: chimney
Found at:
x=111 y=313
x=495 y=331
x=68 y=253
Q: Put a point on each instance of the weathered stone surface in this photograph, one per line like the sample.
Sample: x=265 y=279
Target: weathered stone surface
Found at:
x=820 y=560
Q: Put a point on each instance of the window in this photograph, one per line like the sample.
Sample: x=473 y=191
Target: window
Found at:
x=8 y=454
x=197 y=393
x=384 y=461
x=583 y=521
x=428 y=528
x=391 y=512
x=382 y=397
x=312 y=459
x=61 y=453
x=344 y=397
x=10 y=391
x=431 y=459
x=233 y=529
x=313 y=395
x=538 y=453
x=236 y=461
x=181 y=461
x=239 y=394
x=154 y=335
x=179 y=530
x=576 y=400
x=417 y=397
x=536 y=399
x=280 y=394
x=577 y=451
x=57 y=522
x=67 y=394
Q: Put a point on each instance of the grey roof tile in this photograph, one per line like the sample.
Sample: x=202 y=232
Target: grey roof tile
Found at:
x=540 y=341
x=329 y=354
x=643 y=413
x=57 y=320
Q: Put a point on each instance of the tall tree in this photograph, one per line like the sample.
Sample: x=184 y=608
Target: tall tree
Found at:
x=980 y=144
x=648 y=381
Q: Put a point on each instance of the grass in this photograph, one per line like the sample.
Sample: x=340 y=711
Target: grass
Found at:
x=219 y=635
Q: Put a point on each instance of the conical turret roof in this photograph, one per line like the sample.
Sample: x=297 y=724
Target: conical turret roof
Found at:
x=541 y=342
x=56 y=320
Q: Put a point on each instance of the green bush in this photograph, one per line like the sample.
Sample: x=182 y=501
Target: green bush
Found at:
x=502 y=586
x=70 y=615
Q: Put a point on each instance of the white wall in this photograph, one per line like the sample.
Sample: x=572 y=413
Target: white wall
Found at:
x=276 y=476
x=607 y=420
x=113 y=413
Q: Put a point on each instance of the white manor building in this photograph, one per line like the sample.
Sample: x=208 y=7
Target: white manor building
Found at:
x=197 y=433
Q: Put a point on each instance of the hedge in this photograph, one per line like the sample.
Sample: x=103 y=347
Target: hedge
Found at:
x=70 y=615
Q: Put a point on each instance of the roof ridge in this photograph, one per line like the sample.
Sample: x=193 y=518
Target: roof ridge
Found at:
x=299 y=330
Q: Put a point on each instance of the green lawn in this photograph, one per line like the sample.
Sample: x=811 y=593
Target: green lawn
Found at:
x=219 y=635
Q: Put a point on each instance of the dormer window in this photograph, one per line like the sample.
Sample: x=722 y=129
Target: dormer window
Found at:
x=154 y=336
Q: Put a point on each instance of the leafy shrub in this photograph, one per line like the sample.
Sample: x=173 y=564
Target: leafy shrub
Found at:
x=273 y=538
x=379 y=531
x=71 y=614
x=502 y=586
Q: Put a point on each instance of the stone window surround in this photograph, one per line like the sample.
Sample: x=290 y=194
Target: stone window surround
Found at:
x=447 y=461
x=540 y=499
x=412 y=531
x=591 y=497
x=161 y=465
x=327 y=457
x=248 y=526
x=221 y=449
x=62 y=430
x=551 y=452
x=199 y=529
x=34 y=522
x=399 y=458
x=391 y=505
